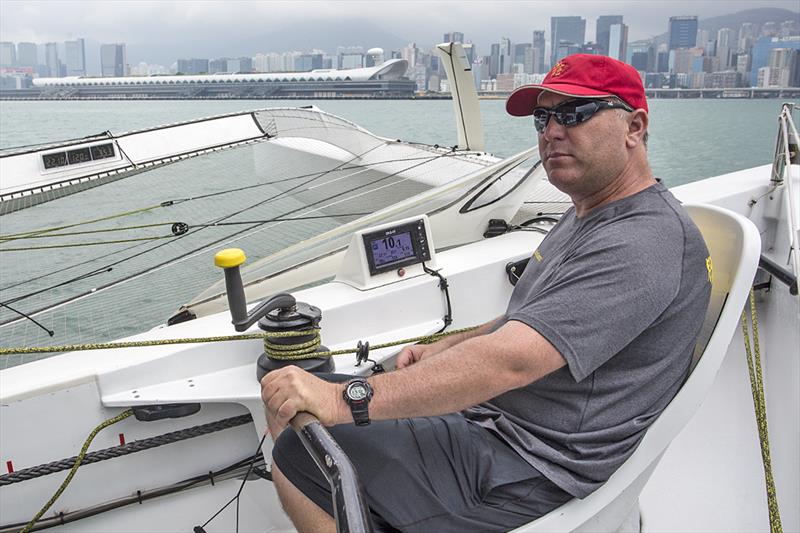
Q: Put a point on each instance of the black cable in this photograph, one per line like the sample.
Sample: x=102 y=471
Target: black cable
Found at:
x=445 y=287
x=256 y=455
x=139 y=497
x=20 y=313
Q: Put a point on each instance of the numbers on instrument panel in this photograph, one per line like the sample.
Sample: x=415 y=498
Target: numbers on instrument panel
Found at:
x=78 y=156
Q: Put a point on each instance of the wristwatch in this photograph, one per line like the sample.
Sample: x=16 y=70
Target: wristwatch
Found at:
x=357 y=394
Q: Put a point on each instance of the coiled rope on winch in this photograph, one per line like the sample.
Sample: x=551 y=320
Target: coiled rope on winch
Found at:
x=760 y=407
x=288 y=352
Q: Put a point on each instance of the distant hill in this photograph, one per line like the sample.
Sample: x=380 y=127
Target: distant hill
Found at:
x=734 y=21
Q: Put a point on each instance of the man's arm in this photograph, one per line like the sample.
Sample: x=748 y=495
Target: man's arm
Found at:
x=461 y=376
x=416 y=352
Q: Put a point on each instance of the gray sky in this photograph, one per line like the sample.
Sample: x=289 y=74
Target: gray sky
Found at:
x=161 y=31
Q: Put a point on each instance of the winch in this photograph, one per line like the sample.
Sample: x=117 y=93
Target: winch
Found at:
x=291 y=327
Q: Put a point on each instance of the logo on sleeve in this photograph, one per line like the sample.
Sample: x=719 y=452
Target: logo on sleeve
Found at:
x=710 y=269
x=537 y=256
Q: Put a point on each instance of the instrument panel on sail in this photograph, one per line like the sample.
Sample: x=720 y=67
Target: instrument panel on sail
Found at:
x=78 y=156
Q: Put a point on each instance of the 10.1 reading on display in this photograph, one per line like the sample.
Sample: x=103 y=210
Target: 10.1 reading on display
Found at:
x=392 y=248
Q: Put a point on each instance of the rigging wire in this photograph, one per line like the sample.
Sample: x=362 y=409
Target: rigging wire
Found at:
x=184 y=225
x=227 y=238
x=168 y=203
x=181 y=200
x=148 y=250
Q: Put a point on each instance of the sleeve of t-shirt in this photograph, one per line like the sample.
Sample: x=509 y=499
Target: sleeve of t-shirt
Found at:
x=604 y=294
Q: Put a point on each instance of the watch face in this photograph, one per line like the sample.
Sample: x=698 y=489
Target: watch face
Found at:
x=357 y=391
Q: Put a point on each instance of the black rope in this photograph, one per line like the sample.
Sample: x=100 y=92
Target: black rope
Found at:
x=126 y=449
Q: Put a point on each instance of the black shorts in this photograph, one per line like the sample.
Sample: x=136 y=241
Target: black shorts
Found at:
x=433 y=474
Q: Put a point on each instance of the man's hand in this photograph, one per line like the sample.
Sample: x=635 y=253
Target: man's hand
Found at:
x=290 y=390
x=414 y=353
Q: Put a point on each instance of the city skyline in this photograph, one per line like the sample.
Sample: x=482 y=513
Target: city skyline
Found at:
x=161 y=32
x=756 y=48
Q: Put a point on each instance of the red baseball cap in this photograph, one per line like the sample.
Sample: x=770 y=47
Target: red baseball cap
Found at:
x=582 y=76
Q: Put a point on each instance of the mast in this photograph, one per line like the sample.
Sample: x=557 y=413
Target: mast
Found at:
x=465 y=97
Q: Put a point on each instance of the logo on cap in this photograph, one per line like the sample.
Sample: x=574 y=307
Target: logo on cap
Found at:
x=558 y=69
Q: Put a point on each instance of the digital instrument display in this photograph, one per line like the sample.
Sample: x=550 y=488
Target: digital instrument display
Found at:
x=54 y=160
x=392 y=249
x=396 y=247
x=78 y=156
x=102 y=151
x=81 y=155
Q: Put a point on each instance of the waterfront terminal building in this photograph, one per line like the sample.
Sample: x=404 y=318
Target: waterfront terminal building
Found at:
x=386 y=80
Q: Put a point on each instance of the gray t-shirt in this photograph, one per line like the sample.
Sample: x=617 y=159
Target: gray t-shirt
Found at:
x=621 y=293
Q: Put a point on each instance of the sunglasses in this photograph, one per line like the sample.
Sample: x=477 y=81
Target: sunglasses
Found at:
x=572 y=112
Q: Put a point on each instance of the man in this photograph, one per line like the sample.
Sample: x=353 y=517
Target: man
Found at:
x=550 y=398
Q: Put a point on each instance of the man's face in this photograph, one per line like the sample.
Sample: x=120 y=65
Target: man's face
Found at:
x=581 y=160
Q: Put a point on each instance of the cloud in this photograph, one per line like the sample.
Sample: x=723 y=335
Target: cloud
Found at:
x=161 y=31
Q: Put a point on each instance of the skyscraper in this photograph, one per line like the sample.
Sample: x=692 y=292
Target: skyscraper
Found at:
x=747 y=35
x=8 y=54
x=410 y=53
x=761 y=53
x=604 y=23
x=75 y=57
x=642 y=55
x=538 y=45
x=113 y=59
x=566 y=30
x=682 y=32
x=618 y=41
x=494 y=61
x=520 y=52
x=27 y=54
x=724 y=43
x=506 y=56
x=51 y=60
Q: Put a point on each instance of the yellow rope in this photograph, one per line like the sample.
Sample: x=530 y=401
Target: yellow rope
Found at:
x=760 y=406
x=87 y=232
x=82 y=244
x=122 y=416
x=305 y=350
x=85 y=222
